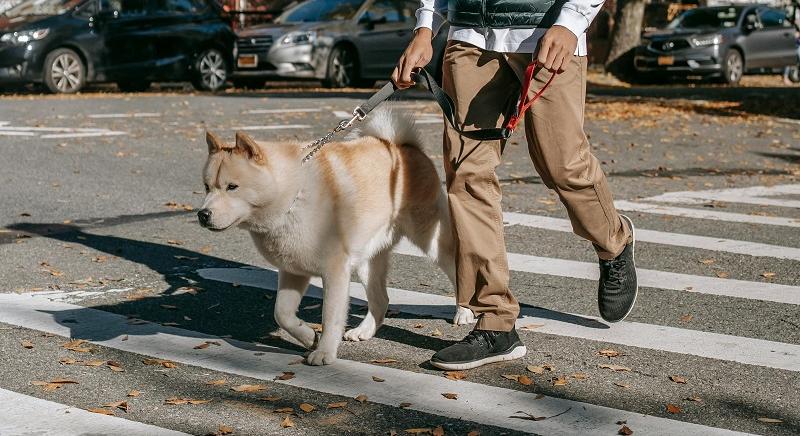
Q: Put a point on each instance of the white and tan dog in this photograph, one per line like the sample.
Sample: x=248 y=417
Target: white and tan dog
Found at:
x=342 y=211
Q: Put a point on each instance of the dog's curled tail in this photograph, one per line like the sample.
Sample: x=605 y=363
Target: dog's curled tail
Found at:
x=395 y=126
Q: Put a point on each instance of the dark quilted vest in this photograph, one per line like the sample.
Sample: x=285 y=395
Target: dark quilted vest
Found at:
x=503 y=13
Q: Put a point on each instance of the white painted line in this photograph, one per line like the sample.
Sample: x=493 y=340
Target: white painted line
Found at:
x=4 y=123
x=342 y=114
x=654 y=337
x=24 y=415
x=276 y=127
x=51 y=129
x=14 y=133
x=281 y=111
x=82 y=135
x=129 y=115
x=478 y=403
x=705 y=214
x=666 y=238
x=751 y=195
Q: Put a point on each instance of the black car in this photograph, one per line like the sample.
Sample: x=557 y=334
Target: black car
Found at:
x=723 y=42
x=65 y=44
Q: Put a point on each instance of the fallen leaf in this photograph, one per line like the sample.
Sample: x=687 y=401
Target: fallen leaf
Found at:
x=625 y=430
x=76 y=345
x=455 y=375
x=101 y=411
x=270 y=399
x=338 y=405
x=216 y=382
x=531 y=326
x=287 y=375
x=361 y=398
x=121 y=405
x=249 y=388
x=770 y=420
x=287 y=422
x=404 y=405
x=284 y=410
x=436 y=332
x=694 y=398
x=134 y=393
x=450 y=396
x=114 y=366
x=438 y=431
x=26 y=344
x=174 y=242
x=549 y=367
x=202 y=346
x=608 y=352
x=474 y=433
x=671 y=408
x=178 y=401
x=308 y=408
x=68 y=361
x=525 y=380
x=378 y=379
x=418 y=430
x=560 y=381
x=686 y=318
x=768 y=275
x=94 y=363
x=419 y=326
x=224 y=430
x=514 y=377
x=529 y=417
x=383 y=361
x=535 y=369
x=580 y=376
x=707 y=261
x=678 y=379
x=613 y=367
x=622 y=385
x=162 y=362
x=63 y=381
x=722 y=274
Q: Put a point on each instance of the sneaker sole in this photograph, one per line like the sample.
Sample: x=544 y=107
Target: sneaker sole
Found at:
x=633 y=255
x=516 y=353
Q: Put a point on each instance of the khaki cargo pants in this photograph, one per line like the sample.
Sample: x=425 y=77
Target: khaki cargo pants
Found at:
x=483 y=84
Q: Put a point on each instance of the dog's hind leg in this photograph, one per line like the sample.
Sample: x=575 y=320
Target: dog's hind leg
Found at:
x=335 y=307
x=373 y=275
x=291 y=288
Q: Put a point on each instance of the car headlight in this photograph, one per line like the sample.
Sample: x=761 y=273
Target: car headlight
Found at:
x=700 y=41
x=298 y=38
x=24 y=37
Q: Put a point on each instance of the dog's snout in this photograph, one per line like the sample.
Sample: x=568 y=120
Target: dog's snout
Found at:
x=204 y=215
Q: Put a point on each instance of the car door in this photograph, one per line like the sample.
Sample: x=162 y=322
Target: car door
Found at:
x=755 y=42
x=778 y=30
x=385 y=29
x=125 y=27
x=178 y=27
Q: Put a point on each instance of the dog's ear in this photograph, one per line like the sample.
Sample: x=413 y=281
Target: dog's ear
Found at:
x=249 y=147
x=214 y=143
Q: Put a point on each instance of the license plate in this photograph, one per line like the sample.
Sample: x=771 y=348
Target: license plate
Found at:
x=247 y=61
x=666 y=60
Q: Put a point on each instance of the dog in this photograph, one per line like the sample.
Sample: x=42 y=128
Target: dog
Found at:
x=341 y=212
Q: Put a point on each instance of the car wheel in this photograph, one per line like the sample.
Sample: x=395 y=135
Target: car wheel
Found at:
x=64 y=72
x=794 y=74
x=211 y=71
x=341 y=68
x=733 y=68
x=134 y=85
x=249 y=83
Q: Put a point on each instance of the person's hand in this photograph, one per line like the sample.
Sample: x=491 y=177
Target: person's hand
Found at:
x=418 y=54
x=556 y=46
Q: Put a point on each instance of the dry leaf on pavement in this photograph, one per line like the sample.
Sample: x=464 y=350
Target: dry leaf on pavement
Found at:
x=361 y=398
x=134 y=393
x=455 y=375
x=287 y=375
x=179 y=401
x=580 y=376
x=525 y=380
x=474 y=433
x=287 y=422
x=768 y=275
x=216 y=382
x=560 y=381
x=608 y=352
x=671 y=408
x=404 y=405
x=101 y=411
x=224 y=430
x=436 y=332
x=270 y=399
x=339 y=405
x=308 y=408
x=383 y=361
x=94 y=363
x=678 y=379
x=438 y=431
x=121 y=405
x=77 y=345
x=418 y=430
x=162 y=362
x=622 y=385
x=378 y=379
x=284 y=410
x=114 y=366
x=535 y=369
x=26 y=344
x=625 y=430
x=514 y=377
x=249 y=388
x=770 y=420
x=450 y=396
x=613 y=367
x=530 y=327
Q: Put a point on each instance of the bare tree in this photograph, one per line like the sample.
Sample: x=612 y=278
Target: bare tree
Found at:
x=625 y=37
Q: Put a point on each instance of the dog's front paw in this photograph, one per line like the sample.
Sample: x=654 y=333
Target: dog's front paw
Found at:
x=321 y=357
x=463 y=316
x=360 y=333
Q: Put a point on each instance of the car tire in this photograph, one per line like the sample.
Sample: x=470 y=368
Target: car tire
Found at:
x=249 y=83
x=342 y=68
x=210 y=71
x=134 y=85
x=794 y=74
x=64 y=71
x=732 y=67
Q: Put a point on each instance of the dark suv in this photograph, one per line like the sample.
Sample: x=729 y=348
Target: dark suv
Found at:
x=723 y=42
x=65 y=44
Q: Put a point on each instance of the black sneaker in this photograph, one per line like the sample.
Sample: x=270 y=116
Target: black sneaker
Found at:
x=618 y=288
x=479 y=348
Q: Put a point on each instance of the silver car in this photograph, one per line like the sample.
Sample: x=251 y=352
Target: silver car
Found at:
x=341 y=42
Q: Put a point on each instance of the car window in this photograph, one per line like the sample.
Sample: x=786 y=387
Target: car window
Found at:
x=321 y=10
x=125 y=8
x=87 y=9
x=771 y=18
x=714 y=18
x=179 y=7
x=39 y=7
x=391 y=11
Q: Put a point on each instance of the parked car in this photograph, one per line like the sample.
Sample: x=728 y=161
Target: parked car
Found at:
x=722 y=42
x=342 y=42
x=66 y=44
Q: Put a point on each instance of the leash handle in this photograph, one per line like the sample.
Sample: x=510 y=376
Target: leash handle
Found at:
x=525 y=103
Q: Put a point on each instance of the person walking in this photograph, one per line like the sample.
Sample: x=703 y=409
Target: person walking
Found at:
x=490 y=44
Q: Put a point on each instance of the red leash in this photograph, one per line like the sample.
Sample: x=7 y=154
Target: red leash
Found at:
x=524 y=103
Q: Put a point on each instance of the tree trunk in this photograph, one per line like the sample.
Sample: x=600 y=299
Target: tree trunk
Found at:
x=625 y=37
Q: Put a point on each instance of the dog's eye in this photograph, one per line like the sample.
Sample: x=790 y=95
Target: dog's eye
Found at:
x=207 y=188
x=232 y=186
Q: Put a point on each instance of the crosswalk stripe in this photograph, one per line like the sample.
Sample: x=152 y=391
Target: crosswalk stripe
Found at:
x=705 y=214
x=282 y=111
x=666 y=238
x=478 y=403
x=272 y=127
x=655 y=337
x=24 y=415
x=647 y=277
x=758 y=195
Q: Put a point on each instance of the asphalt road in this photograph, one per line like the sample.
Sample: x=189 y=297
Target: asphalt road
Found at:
x=97 y=195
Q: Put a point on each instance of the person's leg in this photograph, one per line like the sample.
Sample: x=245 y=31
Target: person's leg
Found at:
x=561 y=154
x=482 y=86
x=479 y=82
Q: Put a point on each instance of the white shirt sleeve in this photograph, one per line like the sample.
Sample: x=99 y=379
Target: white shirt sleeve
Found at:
x=431 y=14
x=577 y=15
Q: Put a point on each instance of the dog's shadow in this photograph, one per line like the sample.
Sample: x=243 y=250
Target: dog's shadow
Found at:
x=221 y=308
